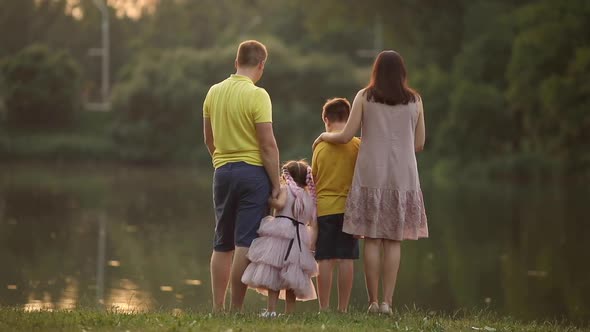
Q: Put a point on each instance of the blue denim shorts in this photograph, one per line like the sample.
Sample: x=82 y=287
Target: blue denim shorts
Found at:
x=240 y=198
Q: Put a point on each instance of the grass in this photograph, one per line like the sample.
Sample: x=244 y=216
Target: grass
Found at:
x=12 y=319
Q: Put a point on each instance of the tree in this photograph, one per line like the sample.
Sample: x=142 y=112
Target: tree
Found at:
x=157 y=103
x=476 y=126
x=42 y=88
x=547 y=94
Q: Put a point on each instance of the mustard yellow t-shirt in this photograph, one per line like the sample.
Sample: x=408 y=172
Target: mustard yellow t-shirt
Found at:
x=332 y=166
x=234 y=107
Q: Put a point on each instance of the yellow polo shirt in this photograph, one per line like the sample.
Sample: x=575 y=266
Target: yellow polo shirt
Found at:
x=332 y=166
x=234 y=107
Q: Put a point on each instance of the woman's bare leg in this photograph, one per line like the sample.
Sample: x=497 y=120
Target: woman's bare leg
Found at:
x=391 y=261
x=372 y=267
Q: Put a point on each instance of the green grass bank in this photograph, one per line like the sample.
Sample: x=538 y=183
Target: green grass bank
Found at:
x=407 y=320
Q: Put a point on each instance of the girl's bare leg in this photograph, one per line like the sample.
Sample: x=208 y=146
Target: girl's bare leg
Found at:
x=273 y=297
x=290 y=301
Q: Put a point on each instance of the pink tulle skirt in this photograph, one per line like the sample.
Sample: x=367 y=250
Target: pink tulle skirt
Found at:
x=273 y=266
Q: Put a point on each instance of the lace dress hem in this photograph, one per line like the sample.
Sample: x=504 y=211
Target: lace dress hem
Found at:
x=385 y=214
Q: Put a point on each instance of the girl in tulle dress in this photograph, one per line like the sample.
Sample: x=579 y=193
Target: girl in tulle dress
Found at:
x=282 y=262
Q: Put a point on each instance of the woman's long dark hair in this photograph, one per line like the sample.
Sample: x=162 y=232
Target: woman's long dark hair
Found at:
x=389 y=84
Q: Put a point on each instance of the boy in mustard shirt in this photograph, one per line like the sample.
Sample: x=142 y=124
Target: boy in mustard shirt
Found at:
x=333 y=168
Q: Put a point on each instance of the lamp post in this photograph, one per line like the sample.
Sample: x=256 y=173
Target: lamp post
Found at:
x=104 y=53
x=100 y=260
x=377 y=40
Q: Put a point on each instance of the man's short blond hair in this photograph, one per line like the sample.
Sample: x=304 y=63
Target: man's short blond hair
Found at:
x=251 y=53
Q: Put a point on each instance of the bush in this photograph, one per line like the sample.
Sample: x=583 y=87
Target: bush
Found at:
x=158 y=105
x=41 y=88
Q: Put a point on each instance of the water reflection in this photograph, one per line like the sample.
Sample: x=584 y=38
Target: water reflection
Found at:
x=140 y=239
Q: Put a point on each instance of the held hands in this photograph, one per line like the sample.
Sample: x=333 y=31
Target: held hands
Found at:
x=278 y=198
x=273 y=202
x=274 y=195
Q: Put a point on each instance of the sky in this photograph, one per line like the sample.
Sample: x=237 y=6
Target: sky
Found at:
x=131 y=8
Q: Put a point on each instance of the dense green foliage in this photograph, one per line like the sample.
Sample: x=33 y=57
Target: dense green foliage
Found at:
x=41 y=88
x=155 y=108
x=504 y=82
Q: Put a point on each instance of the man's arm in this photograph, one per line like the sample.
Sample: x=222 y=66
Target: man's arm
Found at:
x=270 y=154
x=208 y=135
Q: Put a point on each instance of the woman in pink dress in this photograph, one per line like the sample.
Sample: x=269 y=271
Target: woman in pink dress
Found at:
x=385 y=204
x=282 y=262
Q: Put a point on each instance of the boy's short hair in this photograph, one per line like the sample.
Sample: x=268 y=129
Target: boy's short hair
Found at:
x=336 y=110
x=251 y=53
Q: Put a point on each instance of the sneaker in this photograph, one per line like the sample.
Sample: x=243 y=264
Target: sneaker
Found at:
x=268 y=314
x=373 y=308
x=384 y=308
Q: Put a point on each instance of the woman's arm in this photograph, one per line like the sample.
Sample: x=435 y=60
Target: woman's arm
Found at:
x=420 y=132
x=352 y=125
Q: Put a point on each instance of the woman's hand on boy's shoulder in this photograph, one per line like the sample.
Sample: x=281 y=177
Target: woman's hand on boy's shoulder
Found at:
x=317 y=141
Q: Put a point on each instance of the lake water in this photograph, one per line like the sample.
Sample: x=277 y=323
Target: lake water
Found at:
x=140 y=239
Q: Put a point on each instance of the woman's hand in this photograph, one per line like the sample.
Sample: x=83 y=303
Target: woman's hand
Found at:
x=317 y=141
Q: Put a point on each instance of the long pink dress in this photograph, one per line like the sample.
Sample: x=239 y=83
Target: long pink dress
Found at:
x=279 y=258
x=385 y=199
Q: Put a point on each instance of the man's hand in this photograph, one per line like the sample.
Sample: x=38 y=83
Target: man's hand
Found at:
x=270 y=155
x=275 y=192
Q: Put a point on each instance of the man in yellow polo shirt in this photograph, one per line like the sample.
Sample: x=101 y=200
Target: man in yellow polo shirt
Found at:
x=237 y=127
x=333 y=168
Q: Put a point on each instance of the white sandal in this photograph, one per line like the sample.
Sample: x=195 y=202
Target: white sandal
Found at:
x=373 y=308
x=384 y=308
x=268 y=314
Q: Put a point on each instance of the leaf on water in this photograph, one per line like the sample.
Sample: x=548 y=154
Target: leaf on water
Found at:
x=114 y=263
x=193 y=282
x=537 y=273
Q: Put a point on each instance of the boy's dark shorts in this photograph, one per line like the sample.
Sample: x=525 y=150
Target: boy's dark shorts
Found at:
x=332 y=243
x=240 y=198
